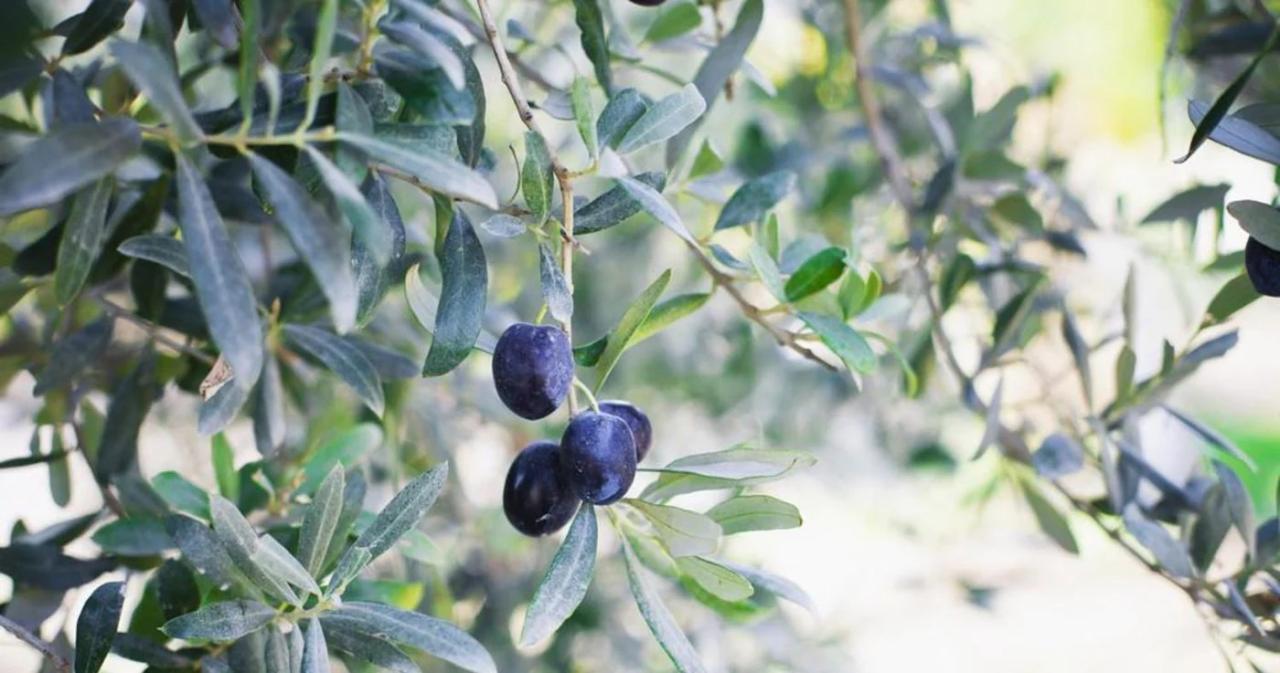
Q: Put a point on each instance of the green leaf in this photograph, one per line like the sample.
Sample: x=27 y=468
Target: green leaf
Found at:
x=220 y=622
x=1238 y=503
x=72 y=354
x=131 y=400
x=135 y=536
x=322 y=243
x=436 y=172
x=586 y=13
x=816 y=273
x=662 y=316
x=652 y=202
x=754 y=198
x=778 y=586
x=722 y=61
x=100 y=19
x=676 y=20
x=958 y=273
x=373 y=273
x=767 y=270
x=1228 y=97
x=96 y=626
x=622 y=111
x=1259 y=220
x=268 y=409
x=320 y=522
x=707 y=161
x=426 y=88
x=247 y=73
x=412 y=629
x=372 y=239
x=1079 y=353
x=346 y=449
x=224 y=468
x=1050 y=520
x=351 y=115
x=243 y=546
x=341 y=358
x=720 y=581
x=462 y=298
x=380 y=653
x=1168 y=552
x=163 y=250
x=222 y=285
x=846 y=342
x=65 y=160
x=1125 y=364
x=321 y=49
x=742 y=464
x=1187 y=205
x=664 y=119
x=745 y=513
x=153 y=75
x=661 y=623
x=683 y=532
x=181 y=495
x=82 y=239
x=422 y=303
x=1236 y=294
x=429 y=46
x=400 y=516
x=202 y=551
x=315 y=652
x=634 y=316
x=584 y=116
x=555 y=288
x=614 y=206
x=536 y=177
x=565 y=584
x=273 y=558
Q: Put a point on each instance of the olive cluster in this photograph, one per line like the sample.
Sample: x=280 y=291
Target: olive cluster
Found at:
x=596 y=458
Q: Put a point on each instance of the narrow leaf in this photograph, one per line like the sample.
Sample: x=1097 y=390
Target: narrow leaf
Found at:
x=631 y=320
x=96 y=626
x=65 y=160
x=565 y=584
x=462 y=298
x=152 y=73
x=342 y=359
x=664 y=119
x=754 y=198
x=220 y=622
x=661 y=623
x=555 y=289
x=437 y=172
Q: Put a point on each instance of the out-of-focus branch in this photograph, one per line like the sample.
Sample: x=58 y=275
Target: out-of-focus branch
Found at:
x=34 y=641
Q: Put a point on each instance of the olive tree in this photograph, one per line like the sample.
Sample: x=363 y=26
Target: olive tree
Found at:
x=294 y=211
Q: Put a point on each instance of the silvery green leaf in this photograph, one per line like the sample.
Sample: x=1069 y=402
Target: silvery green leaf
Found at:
x=315 y=653
x=767 y=270
x=351 y=115
x=389 y=363
x=590 y=20
x=536 y=177
x=345 y=638
x=1058 y=456
x=438 y=173
x=661 y=623
x=320 y=522
x=412 y=629
x=1212 y=436
x=297 y=647
x=1238 y=134
x=462 y=298
x=683 y=532
x=374 y=276
x=323 y=244
x=202 y=551
x=428 y=46
x=372 y=234
x=65 y=160
x=716 y=579
x=134 y=536
x=430 y=16
x=273 y=558
x=275 y=652
x=72 y=354
x=220 y=622
x=321 y=49
x=342 y=359
x=181 y=495
x=745 y=513
x=614 y=206
x=82 y=239
x=1238 y=504
x=584 y=115
x=628 y=325
x=742 y=463
x=664 y=119
x=268 y=409
x=842 y=339
x=755 y=198
x=399 y=517
x=721 y=62
x=152 y=73
x=1166 y=549
x=423 y=303
x=1259 y=220
x=565 y=584
x=222 y=285
x=555 y=288
x=242 y=545
x=96 y=626
x=503 y=225
x=344 y=448
x=774 y=584
x=622 y=111
x=653 y=203
x=163 y=250
x=1051 y=521
x=217 y=412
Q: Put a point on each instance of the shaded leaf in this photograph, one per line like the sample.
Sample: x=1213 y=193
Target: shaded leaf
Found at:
x=1166 y=550
x=153 y=74
x=745 y=513
x=619 y=115
x=565 y=584
x=65 y=160
x=614 y=206
x=96 y=626
x=719 y=580
x=220 y=622
x=664 y=119
x=661 y=623
x=652 y=202
x=754 y=198
x=555 y=288
x=843 y=340
x=71 y=354
x=536 y=178
x=437 y=172
x=342 y=359
x=428 y=634
x=462 y=298
x=586 y=13
x=683 y=532
x=163 y=250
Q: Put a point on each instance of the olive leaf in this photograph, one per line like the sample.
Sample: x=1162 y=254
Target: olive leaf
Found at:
x=754 y=198
x=342 y=359
x=411 y=629
x=565 y=584
x=96 y=626
x=462 y=298
x=664 y=119
x=220 y=622
x=661 y=623
x=65 y=160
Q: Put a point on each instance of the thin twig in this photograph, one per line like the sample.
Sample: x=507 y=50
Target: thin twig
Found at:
x=527 y=71
x=34 y=641
x=153 y=330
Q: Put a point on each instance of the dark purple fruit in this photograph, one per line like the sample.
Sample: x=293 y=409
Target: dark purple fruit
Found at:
x=533 y=369
x=536 y=497
x=598 y=457
x=1263 y=265
x=648 y=3
x=637 y=421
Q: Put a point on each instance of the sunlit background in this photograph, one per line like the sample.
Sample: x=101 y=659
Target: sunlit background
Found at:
x=908 y=571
